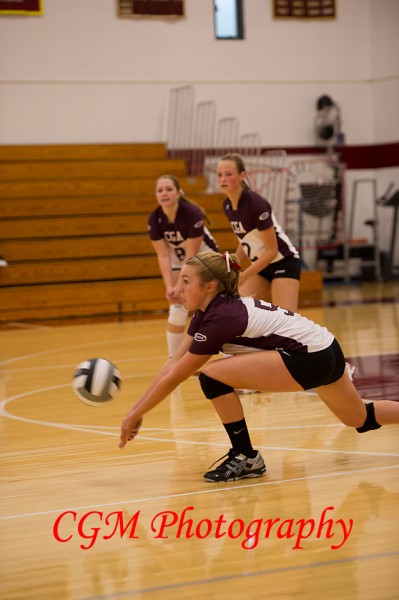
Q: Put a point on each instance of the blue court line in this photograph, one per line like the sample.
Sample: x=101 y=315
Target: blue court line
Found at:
x=196 y=582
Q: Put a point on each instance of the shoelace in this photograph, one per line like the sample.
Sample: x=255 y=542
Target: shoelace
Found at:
x=229 y=456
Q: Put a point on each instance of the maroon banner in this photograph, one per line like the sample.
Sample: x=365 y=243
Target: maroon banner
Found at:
x=163 y=8
x=21 y=7
x=304 y=9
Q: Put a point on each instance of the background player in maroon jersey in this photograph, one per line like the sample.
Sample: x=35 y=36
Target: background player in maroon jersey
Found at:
x=177 y=232
x=275 y=266
x=275 y=350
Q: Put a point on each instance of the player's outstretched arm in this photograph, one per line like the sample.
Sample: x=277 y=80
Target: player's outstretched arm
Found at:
x=172 y=374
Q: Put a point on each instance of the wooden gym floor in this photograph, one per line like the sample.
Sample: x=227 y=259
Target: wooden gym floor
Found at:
x=83 y=520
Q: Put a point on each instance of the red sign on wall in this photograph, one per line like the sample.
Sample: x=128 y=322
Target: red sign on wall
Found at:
x=21 y=7
x=163 y=8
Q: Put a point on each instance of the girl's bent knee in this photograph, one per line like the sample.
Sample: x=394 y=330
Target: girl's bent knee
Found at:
x=370 y=422
x=213 y=388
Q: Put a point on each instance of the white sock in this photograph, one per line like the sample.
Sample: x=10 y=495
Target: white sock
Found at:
x=173 y=340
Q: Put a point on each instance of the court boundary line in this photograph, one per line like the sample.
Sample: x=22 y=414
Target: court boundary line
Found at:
x=144 y=438
x=90 y=429
x=196 y=492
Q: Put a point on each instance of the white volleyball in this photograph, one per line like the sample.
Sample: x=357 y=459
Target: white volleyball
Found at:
x=96 y=381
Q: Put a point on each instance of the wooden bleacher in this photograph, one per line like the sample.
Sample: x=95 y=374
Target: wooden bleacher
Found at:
x=73 y=229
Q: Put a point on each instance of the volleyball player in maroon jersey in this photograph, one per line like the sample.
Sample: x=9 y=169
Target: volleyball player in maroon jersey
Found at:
x=275 y=265
x=274 y=350
x=177 y=232
x=275 y=268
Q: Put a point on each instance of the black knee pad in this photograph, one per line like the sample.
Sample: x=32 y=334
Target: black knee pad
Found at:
x=213 y=388
x=370 y=422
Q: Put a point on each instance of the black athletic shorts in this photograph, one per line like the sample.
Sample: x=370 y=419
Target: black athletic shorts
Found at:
x=313 y=369
x=286 y=268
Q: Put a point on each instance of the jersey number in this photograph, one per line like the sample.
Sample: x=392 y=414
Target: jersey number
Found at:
x=247 y=249
x=268 y=306
x=180 y=253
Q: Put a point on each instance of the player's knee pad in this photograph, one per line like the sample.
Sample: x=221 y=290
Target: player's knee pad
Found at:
x=213 y=388
x=370 y=422
x=177 y=315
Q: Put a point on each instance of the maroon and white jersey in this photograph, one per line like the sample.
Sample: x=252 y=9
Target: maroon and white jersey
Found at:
x=235 y=325
x=254 y=214
x=189 y=223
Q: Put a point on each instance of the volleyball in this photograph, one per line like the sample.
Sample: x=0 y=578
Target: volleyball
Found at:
x=96 y=381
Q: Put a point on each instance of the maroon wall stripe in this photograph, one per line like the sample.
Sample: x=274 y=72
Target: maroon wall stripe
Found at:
x=378 y=156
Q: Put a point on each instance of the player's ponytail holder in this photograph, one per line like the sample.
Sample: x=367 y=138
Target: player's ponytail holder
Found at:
x=230 y=264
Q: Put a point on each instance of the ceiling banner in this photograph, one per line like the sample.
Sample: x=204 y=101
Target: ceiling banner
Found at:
x=21 y=7
x=159 y=8
x=304 y=9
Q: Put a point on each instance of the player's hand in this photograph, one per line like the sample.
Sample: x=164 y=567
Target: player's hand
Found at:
x=175 y=295
x=129 y=429
x=169 y=292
